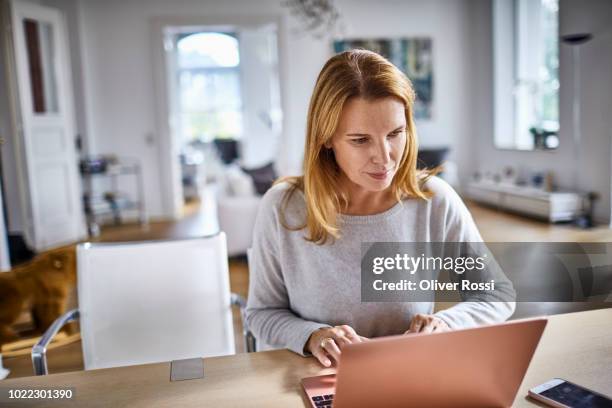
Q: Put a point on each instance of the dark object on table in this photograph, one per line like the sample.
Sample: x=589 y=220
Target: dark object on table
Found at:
x=228 y=149
x=585 y=221
x=431 y=158
x=537 y=179
x=93 y=165
x=544 y=139
x=263 y=177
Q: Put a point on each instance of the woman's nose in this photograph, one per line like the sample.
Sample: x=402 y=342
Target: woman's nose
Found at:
x=382 y=153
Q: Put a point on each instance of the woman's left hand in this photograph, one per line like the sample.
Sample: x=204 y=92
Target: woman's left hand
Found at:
x=425 y=323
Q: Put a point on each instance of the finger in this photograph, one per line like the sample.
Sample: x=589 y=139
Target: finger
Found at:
x=441 y=327
x=330 y=346
x=339 y=333
x=416 y=324
x=341 y=341
x=340 y=337
x=363 y=338
x=351 y=334
x=320 y=354
x=428 y=327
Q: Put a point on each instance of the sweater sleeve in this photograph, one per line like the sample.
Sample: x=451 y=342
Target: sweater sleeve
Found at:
x=473 y=310
x=268 y=313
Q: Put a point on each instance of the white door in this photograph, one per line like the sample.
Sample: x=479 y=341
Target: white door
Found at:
x=47 y=152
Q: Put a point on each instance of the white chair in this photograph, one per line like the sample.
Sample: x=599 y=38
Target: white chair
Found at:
x=149 y=302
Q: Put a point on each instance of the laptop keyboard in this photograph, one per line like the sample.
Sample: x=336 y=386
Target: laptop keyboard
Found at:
x=323 y=400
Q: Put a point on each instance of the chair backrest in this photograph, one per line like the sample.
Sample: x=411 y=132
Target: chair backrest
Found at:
x=154 y=301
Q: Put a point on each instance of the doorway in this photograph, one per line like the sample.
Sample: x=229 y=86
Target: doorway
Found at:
x=221 y=95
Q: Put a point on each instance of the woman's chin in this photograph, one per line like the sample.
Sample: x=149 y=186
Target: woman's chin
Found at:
x=375 y=185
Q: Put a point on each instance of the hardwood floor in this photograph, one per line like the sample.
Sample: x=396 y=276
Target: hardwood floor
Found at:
x=199 y=219
x=498 y=226
x=495 y=226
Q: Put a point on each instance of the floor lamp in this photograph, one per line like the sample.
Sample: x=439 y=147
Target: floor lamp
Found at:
x=575 y=41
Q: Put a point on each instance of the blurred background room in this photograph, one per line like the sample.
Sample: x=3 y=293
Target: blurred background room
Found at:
x=148 y=120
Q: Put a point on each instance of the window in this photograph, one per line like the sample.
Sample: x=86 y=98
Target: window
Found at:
x=209 y=100
x=526 y=65
x=549 y=69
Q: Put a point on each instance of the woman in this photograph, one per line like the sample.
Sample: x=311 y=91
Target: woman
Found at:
x=360 y=184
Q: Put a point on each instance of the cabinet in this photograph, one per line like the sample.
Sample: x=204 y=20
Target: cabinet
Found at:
x=551 y=206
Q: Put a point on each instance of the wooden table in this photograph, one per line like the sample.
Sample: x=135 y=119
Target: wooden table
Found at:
x=576 y=346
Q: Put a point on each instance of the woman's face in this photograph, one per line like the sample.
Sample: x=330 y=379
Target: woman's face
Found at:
x=370 y=141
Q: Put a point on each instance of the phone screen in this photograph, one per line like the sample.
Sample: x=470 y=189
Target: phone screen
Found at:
x=574 y=396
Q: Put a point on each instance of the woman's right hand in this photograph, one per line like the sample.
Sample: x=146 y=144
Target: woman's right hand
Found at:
x=328 y=342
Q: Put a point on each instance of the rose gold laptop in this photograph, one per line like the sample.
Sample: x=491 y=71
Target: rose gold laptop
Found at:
x=477 y=367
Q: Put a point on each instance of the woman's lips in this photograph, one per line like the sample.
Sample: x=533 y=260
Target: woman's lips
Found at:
x=380 y=175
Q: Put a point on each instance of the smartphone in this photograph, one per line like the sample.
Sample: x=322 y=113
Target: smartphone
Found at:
x=564 y=394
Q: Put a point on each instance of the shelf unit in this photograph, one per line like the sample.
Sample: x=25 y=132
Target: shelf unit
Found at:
x=111 y=201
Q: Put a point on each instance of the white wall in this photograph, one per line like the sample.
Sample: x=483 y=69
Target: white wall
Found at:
x=575 y=16
x=118 y=79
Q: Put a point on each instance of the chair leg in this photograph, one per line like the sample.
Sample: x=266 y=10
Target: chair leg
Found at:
x=250 y=342
x=39 y=351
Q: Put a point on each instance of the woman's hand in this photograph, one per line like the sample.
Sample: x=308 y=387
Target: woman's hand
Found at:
x=328 y=342
x=425 y=323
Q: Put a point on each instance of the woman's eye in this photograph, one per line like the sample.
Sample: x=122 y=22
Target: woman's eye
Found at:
x=359 y=141
x=394 y=134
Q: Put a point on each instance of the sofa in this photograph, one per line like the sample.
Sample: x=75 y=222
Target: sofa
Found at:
x=239 y=193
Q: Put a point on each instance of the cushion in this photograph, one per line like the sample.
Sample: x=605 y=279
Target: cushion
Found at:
x=237 y=182
x=263 y=177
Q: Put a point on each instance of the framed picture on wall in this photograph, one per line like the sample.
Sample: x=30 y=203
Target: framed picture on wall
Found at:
x=413 y=56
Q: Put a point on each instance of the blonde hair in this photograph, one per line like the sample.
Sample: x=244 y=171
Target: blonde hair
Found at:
x=356 y=73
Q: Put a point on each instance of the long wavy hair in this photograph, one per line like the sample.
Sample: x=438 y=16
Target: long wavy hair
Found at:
x=350 y=74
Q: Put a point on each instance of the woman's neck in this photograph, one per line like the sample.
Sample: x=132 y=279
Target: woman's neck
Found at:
x=362 y=202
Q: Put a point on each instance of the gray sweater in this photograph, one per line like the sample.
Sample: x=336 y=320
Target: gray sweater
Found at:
x=297 y=286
